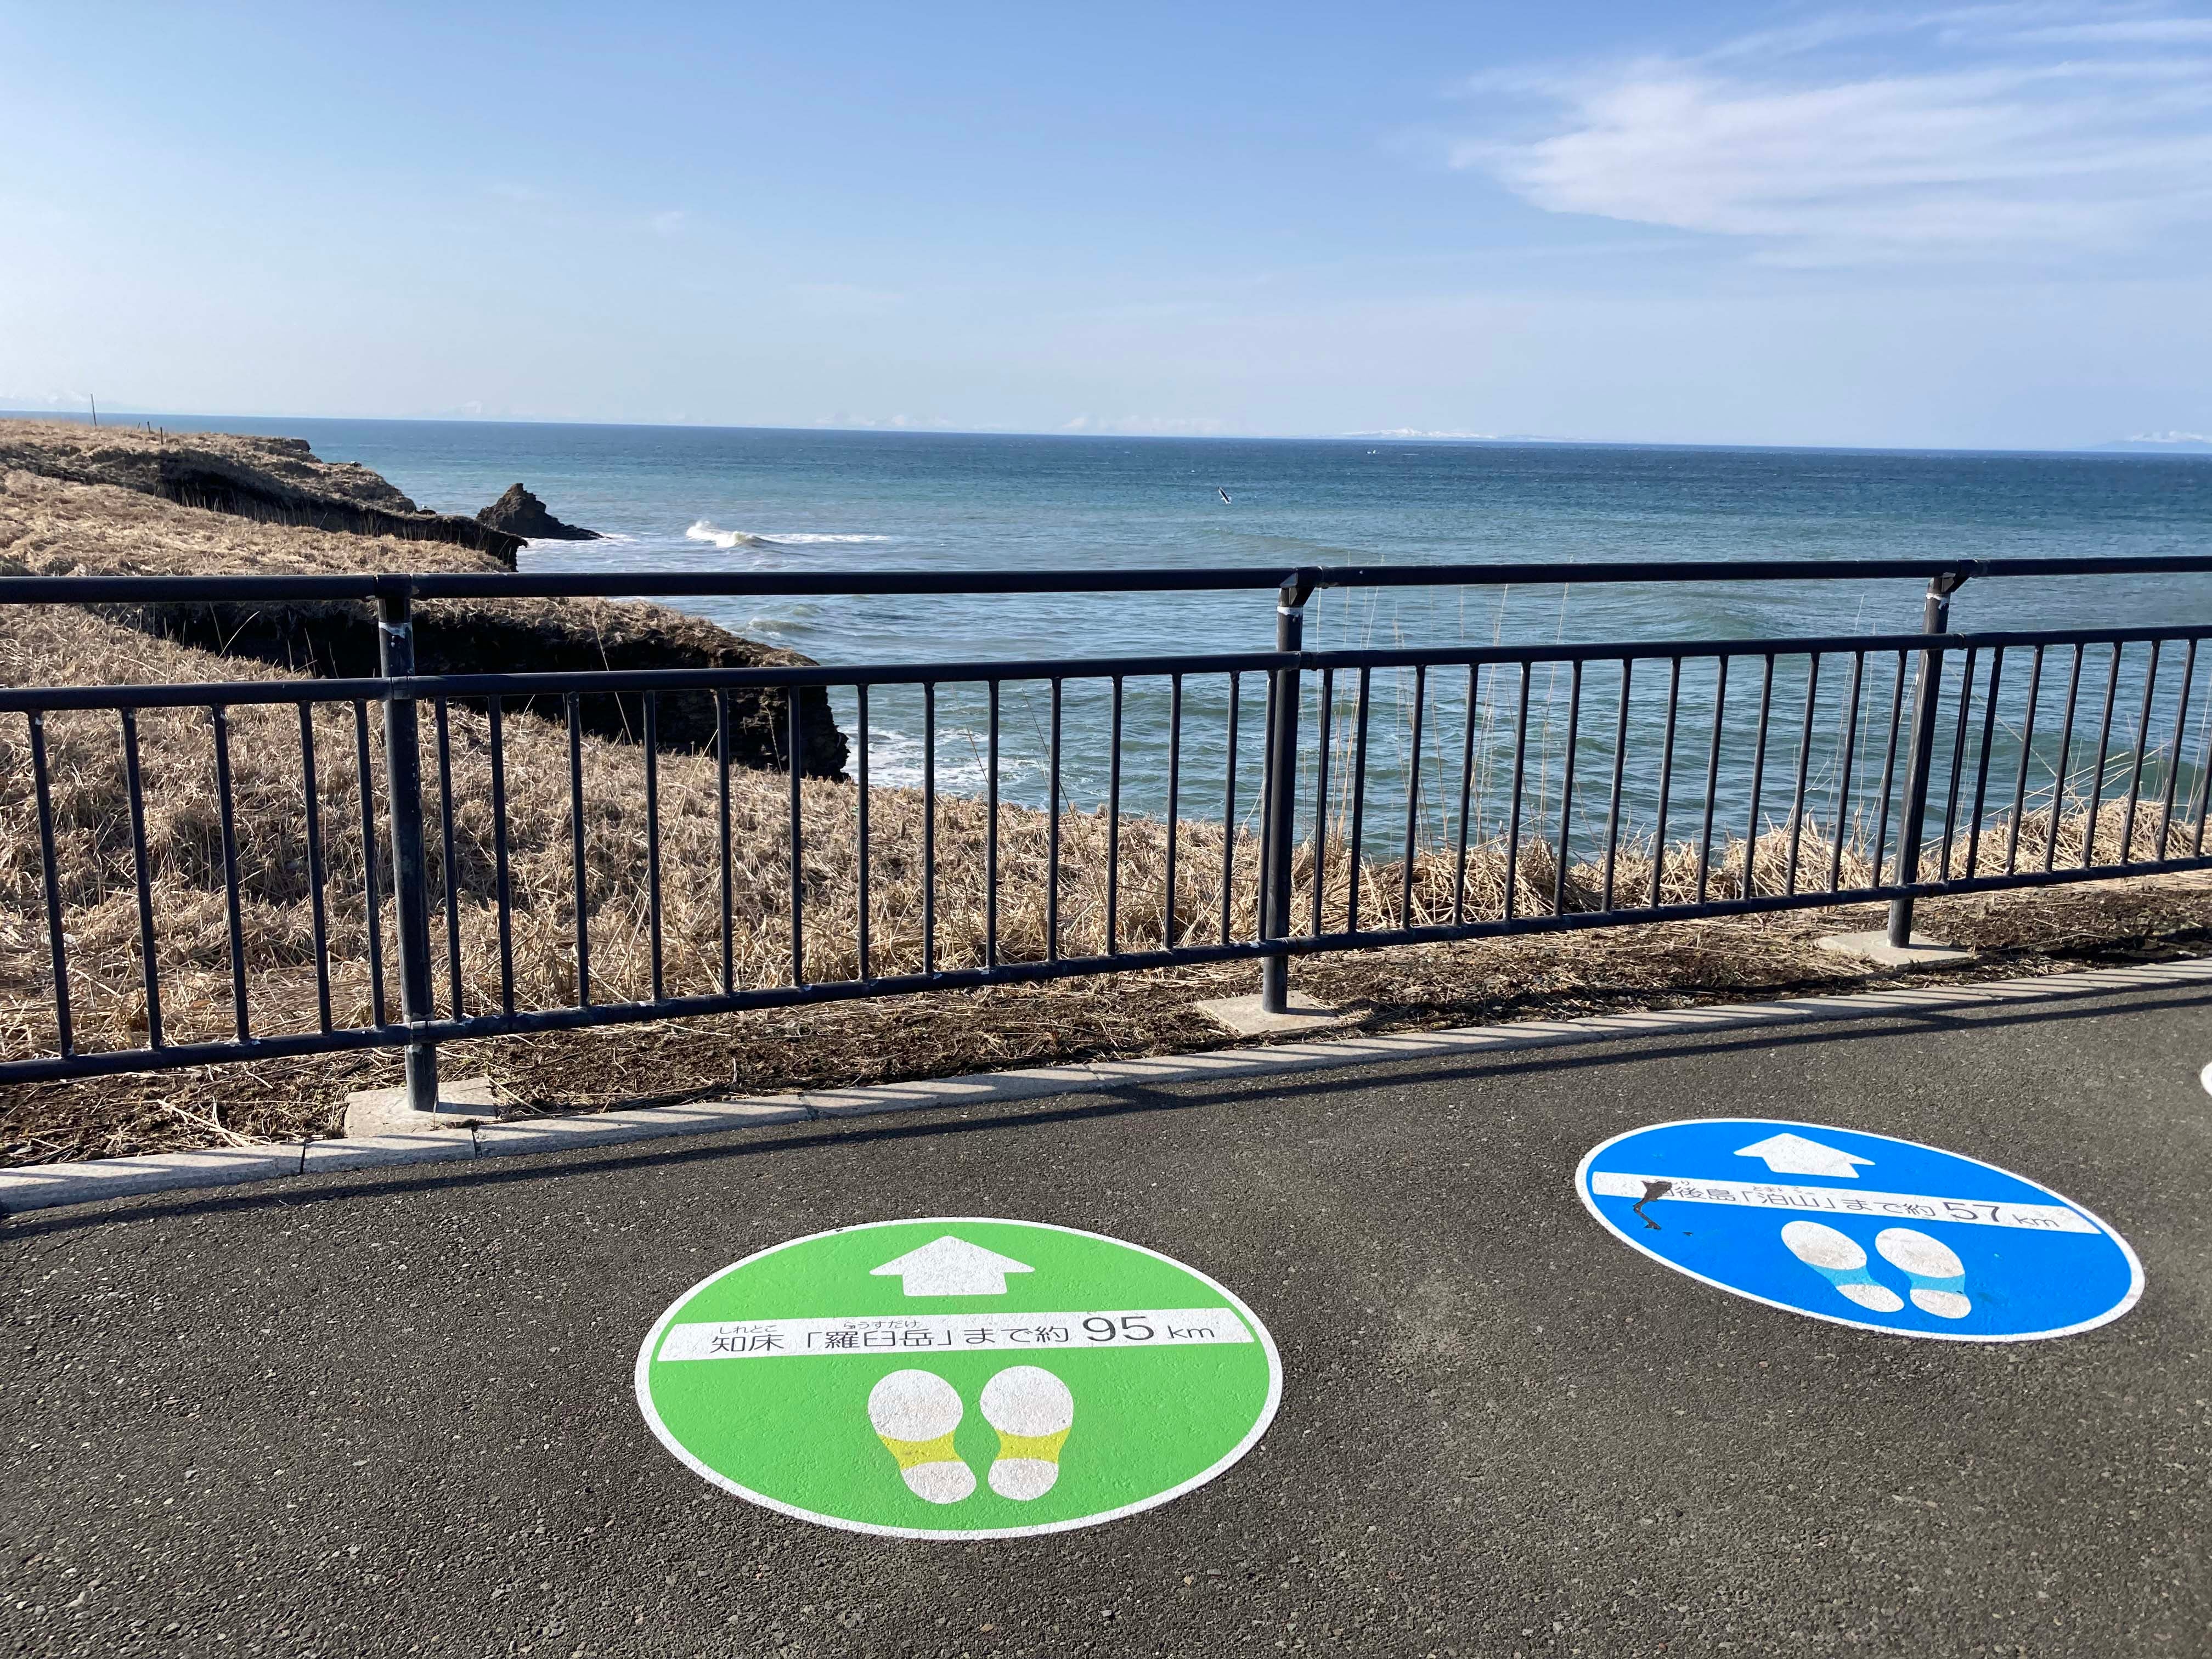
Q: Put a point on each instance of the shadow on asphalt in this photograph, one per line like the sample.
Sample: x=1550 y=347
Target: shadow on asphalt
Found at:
x=1128 y=1102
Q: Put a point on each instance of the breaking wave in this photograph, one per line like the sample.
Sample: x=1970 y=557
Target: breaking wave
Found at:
x=705 y=530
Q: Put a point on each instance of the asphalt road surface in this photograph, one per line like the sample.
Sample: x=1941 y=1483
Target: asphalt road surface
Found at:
x=393 y=1414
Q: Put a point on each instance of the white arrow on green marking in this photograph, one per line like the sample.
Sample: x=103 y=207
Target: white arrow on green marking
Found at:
x=952 y=1266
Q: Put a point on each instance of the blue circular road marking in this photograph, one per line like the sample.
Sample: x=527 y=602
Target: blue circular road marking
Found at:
x=1861 y=1230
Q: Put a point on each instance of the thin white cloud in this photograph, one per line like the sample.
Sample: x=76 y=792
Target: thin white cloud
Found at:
x=1995 y=140
x=1146 y=426
x=2146 y=32
x=887 y=422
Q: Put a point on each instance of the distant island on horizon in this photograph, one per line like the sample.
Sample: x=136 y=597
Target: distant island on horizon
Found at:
x=2162 y=443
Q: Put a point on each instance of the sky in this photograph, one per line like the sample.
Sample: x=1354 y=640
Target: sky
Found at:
x=1980 y=225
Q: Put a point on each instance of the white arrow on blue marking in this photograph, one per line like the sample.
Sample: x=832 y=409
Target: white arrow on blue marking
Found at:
x=952 y=1266
x=1789 y=1154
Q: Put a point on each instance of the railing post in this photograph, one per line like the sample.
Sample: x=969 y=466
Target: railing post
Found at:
x=1927 y=686
x=410 y=885
x=1279 y=813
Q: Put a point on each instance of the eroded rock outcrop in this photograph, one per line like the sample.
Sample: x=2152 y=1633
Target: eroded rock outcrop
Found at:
x=518 y=512
x=278 y=481
x=52 y=526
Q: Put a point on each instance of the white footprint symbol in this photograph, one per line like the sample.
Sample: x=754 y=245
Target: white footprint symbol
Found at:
x=1838 y=1258
x=1939 y=1278
x=914 y=1414
x=1032 y=1410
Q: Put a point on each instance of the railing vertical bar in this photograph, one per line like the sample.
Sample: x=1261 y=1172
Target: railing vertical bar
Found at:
x=1889 y=777
x=1323 y=722
x=722 y=851
x=402 y=806
x=1567 y=790
x=1513 y=814
x=2065 y=755
x=652 y=722
x=576 y=851
x=142 y=867
x=2143 y=747
x=1956 y=780
x=1279 y=798
x=2203 y=780
x=1712 y=775
x=860 y=829
x=794 y=752
x=56 y=939
x=446 y=840
x=227 y=813
x=313 y=817
x=929 y=826
x=1171 y=926
x=1757 y=779
x=2103 y=751
x=2173 y=766
x=501 y=874
x=1356 y=840
x=1465 y=797
x=1804 y=769
x=1229 y=808
x=1927 y=713
x=2026 y=755
x=1846 y=771
x=1114 y=826
x=1666 y=777
x=1413 y=799
x=991 y=833
x=1265 y=861
x=367 y=784
x=1052 y=839
x=1620 y=766
x=1982 y=763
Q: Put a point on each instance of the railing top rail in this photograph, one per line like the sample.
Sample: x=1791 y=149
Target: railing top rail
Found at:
x=678 y=584
x=608 y=682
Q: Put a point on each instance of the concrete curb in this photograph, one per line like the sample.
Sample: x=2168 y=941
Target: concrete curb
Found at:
x=48 y=1185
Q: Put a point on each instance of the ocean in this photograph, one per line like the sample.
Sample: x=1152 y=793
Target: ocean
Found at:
x=736 y=499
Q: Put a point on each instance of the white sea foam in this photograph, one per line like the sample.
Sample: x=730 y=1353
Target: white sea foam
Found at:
x=706 y=530
x=557 y=543
x=895 y=761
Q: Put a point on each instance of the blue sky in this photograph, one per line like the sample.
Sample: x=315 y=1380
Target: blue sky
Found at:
x=1981 y=225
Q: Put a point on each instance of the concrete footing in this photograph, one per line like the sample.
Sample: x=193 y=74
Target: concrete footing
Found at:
x=41 y=1186
x=462 y=1103
x=1245 y=1017
x=1875 y=947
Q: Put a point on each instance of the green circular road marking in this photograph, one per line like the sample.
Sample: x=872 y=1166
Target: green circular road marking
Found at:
x=958 y=1378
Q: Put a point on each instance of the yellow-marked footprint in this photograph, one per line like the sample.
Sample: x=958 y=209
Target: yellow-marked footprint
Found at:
x=914 y=1414
x=1032 y=1410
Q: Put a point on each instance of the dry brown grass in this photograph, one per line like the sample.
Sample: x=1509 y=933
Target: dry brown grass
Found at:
x=852 y=1044
x=57 y=527
x=133 y=458
x=53 y=527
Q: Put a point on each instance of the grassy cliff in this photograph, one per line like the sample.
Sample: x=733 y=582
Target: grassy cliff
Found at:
x=53 y=522
x=276 y=481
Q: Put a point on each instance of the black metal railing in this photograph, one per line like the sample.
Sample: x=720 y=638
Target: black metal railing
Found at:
x=225 y=888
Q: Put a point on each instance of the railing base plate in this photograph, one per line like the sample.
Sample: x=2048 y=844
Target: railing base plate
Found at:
x=1874 y=947
x=1244 y=1016
x=462 y=1103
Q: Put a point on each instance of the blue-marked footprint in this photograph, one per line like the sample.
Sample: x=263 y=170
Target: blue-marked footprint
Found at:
x=1838 y=1258
x=1939 y=1278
